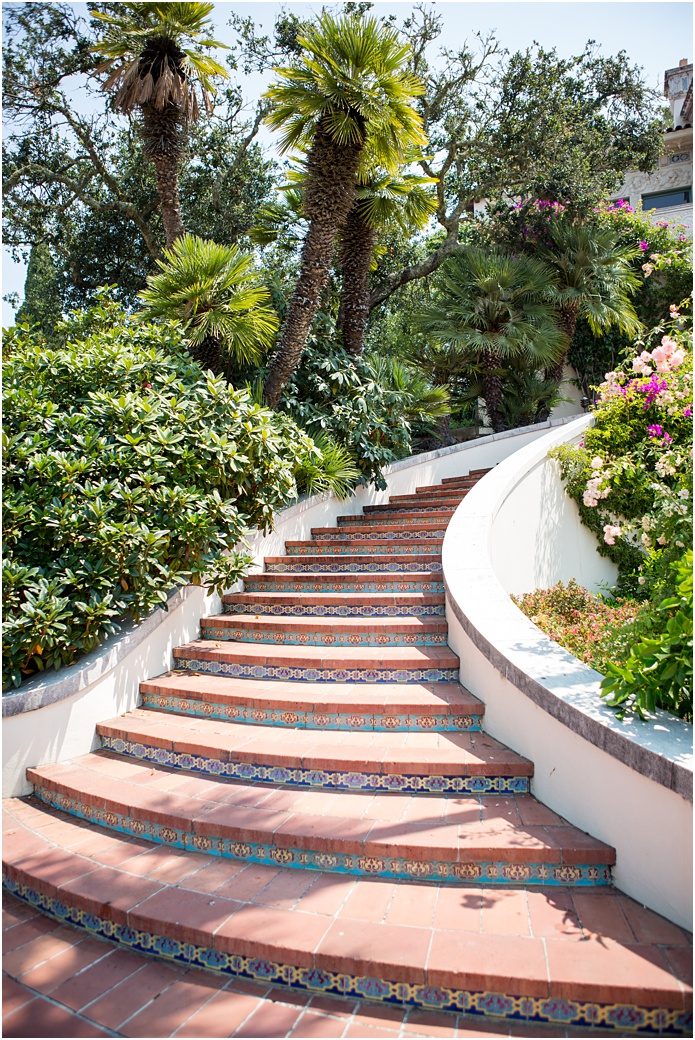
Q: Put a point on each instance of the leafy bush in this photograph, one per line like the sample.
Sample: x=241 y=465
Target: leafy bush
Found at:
x=594 y=630
x=658 y=673
x=335 y=393
x=128 y=471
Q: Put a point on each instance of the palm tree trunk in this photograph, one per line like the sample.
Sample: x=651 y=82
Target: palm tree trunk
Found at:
x=328 y=199
x=568 y=324
x=161 y=132
x=208 y=354
x=493 y=390
x=357 y=249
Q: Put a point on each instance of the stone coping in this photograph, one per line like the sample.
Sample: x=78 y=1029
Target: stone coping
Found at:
x=659 y=748
x=52 y=686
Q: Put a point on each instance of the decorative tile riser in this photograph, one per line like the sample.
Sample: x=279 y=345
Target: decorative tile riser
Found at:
x=300 y=674
x=252 y=585
x=389 y=518
x=377 y=535
x=315 y=720
x=342 y=780
x=390 y=867
x=319 y=549
x=335 y=610
x=375 y=566
x=489 y=1005
x=241 y=635
x=406 y=507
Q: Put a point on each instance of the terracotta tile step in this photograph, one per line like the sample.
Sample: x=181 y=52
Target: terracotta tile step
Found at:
x=560 y=955
x=369 y=563
x=443 y=498
x=409 y=509
x=346 y=581
x=376 y=529
x=403 y=518
x=373 y=546
x=452 y=839
x=327 y=604
x=335 y=631
x=408 y=762
x=411 y=708
x=319 y=663
x=455 y=482
x=477 y=473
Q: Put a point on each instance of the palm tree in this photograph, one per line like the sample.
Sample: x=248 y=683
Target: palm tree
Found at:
x=381 y=199
x=594 y=279
x=214 y=290
x=491 y=307
x=349 y=85
x=155 y=63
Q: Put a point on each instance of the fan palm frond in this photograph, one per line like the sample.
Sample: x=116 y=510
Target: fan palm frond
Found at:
x=215 y=292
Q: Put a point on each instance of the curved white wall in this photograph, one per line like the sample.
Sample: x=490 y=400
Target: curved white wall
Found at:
x=52 y=718
x=628 y=783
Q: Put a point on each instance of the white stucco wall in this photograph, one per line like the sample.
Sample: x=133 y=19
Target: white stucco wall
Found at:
x=628 y=783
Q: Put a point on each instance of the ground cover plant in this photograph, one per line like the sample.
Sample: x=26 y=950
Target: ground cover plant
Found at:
x=128 y=471
x=632 y=480
x=594 y=629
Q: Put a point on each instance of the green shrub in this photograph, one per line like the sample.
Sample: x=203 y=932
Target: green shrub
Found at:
x=334 y=393
x=658 y=673
x=128 y=471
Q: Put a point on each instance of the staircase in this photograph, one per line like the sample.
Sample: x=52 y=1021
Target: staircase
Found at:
x=343 y=823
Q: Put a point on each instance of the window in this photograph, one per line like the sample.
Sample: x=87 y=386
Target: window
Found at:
x=667 y=198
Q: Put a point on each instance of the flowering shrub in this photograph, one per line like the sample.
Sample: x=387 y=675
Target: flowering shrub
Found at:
x=595 y=631
x=632 y=479
x=632 y=476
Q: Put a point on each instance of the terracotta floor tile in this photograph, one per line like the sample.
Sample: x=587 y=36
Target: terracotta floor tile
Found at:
x=217 y=872
x=24 y=931
x=248 y=882
x=170 y=1010
x=261 y=931
x=601 y=915
x=48 y=976
x=552 y=913
x=650 y=927
x=338 y=1006
x=367 y=1032
x=133 y=993
x=33 y=953
x=41 y=1018
x=374 y=1015
x=13 y=995
x=286 y=889
x=509 y=964
x=459 y=908
x=368 y=901
x=412 y=904
x=81 y=989
x=611 y=972
x=394 y=951
x=189 y=916
x=680 y=959
x=505 y=912
x=327 y=894
x=316 y=1023
x=221 y=1016
x=269 y=1020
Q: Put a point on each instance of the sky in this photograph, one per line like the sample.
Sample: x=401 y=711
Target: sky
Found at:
x=655 y=35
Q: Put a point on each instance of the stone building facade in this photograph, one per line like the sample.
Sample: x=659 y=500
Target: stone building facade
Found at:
x=667 y=192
